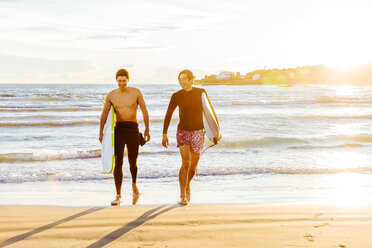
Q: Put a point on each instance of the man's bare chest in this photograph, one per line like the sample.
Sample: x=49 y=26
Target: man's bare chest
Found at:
x=124 y=101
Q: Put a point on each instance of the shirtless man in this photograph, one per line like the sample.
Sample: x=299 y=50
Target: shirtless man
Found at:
x=125 y=101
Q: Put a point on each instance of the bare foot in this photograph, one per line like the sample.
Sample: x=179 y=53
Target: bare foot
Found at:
x=135 y=189
x=183 y=201
x=135 y=199
x=117 y=201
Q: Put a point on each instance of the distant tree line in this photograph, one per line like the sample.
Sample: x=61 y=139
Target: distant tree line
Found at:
x=319 y=74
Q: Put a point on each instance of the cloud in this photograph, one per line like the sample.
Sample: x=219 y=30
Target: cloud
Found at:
x=39 y=28
x=104 y=37
x=10 y=64
x=113 y=18
x=152 y=28
x=25 y=1
x=149 y=47
x=118 y=33
x=98 y=37
x=127 y=66
x=169 y=75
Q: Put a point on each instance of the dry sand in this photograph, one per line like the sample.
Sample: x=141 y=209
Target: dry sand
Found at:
x=196 y=226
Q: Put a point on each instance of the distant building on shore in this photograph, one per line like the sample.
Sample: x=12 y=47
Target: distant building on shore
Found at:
x=224 y=75
x=256 y=76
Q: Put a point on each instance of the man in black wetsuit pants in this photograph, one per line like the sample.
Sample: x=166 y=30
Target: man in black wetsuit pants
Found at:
x=125 y=101
x=190 y=130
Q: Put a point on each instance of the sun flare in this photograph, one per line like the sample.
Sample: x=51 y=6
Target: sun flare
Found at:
x=348 y=189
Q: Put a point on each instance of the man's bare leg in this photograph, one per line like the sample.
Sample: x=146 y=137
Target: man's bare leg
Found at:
x=194 y=159
x=118 y=177
x=183 y=174
x=135 y=189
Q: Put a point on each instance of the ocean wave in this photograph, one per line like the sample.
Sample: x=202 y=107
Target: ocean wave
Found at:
x=21 y=177
x=294 y=101
x=58 y=123
x=328 y=147
x=309 y=142
x=258 y=142
x=46 y=155
x=49 y=155
x=55 y=123
x=336 y=100
x=229 y=115
x=362 y=137
x=159 y=152
x=331 y=117
x=7 y=95
x=45 y=108
x=45 y=98
x=53 y=96
x=281 y=171
x=267 y=102
x=51 y=117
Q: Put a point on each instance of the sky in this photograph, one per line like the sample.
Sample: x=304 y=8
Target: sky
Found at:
x=81 y=41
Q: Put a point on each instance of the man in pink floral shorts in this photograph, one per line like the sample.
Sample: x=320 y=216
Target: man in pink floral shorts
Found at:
x=190 y=130
x=195 y=139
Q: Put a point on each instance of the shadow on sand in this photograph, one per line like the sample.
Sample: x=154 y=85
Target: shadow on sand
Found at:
x=131 y=225
x=46 y=227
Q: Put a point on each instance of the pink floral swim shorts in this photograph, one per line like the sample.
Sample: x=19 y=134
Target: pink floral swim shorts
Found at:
x=193 y=138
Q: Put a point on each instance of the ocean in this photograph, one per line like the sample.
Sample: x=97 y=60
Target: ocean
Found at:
x=279 y=145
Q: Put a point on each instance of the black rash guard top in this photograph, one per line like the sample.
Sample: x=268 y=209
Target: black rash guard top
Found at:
x=190 y=110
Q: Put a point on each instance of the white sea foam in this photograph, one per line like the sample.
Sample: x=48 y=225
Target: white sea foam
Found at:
x=20 y=177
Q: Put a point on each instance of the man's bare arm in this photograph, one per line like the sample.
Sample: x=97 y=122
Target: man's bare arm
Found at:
x=105 y=111
x=145 y=114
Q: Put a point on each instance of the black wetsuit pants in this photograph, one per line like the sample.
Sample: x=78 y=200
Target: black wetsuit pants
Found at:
x=126 y=133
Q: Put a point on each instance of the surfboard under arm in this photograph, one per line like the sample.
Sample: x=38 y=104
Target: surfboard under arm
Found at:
x=108 y=142
x=210 y=121
x=210 y=104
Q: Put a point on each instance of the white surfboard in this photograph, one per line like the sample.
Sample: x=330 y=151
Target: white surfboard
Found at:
x=211 y=126
x=108 y=152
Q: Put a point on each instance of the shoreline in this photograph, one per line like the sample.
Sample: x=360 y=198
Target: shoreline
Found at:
x=204 y=225
x=247 y=189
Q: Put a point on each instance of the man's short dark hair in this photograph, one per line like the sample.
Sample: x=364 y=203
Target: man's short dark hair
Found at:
x=188 y=73
x=122 y=72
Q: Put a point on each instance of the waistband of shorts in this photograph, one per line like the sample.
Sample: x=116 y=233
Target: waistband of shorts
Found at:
x=126 y=124
x=194 y=131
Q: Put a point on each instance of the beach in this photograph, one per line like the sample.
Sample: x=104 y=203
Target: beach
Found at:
x=197 y=225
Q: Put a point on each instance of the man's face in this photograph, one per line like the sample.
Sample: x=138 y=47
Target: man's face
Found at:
x=185 y=82
x=122 y=82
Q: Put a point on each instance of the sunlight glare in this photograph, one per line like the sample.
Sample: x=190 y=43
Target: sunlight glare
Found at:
x=348 y=190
